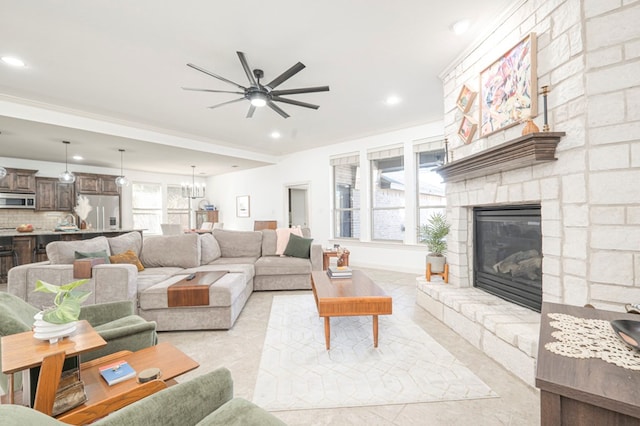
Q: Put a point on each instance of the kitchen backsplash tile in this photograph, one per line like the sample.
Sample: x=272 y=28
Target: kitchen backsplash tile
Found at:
x=11 y=218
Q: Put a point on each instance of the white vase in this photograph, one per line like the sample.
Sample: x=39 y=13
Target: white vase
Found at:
x=44 y=330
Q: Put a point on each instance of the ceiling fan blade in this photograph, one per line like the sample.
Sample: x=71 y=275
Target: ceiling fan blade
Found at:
x=292 y=102
x=226 y=103
x=195 y=67
x=212 y=90
x=302 y=90
x=247 y=69
x=286 y=75
x=277 y=109
x=251 y=111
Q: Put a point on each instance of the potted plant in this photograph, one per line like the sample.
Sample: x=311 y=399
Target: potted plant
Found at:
x=59 y=320
x=434 y=235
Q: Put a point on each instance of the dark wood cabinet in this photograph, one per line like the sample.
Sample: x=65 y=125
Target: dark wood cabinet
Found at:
x=24 y=247
x=19 y=180
x=589 y=391
x=87 y=183
x=53 y=195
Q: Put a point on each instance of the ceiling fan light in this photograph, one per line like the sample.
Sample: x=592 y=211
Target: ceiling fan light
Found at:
x=258 y=100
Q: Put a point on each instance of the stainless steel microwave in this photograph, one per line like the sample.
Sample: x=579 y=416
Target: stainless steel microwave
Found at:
x=17 y=201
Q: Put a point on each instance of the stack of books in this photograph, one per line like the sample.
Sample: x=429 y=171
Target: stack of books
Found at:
x=117 y=372
x=339 y=272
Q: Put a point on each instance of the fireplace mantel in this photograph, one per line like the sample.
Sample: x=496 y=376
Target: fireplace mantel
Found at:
x=524 y=151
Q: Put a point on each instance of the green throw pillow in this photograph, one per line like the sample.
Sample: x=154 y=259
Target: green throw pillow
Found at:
x=298 y=247
x=86 y=255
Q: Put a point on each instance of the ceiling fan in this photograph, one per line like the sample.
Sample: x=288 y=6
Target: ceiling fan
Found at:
x=262 y=94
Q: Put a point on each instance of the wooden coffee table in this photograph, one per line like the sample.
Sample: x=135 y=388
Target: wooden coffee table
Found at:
x=354 y=296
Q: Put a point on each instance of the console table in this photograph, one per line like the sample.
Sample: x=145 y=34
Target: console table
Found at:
x=584 y=391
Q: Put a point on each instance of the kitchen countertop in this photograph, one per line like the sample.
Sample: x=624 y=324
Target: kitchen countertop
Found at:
x=35 y=232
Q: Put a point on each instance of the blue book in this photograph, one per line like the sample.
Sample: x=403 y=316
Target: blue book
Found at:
x=117 y=372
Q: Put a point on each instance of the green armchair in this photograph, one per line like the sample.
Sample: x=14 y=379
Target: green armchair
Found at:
x=206 y=400
x=115 y=322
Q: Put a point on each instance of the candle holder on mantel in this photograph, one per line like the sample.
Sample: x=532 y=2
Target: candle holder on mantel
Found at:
x=545 y=92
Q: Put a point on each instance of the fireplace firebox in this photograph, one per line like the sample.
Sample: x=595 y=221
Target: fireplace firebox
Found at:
x=508 y=253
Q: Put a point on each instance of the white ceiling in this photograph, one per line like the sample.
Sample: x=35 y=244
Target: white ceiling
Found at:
x=103 y=68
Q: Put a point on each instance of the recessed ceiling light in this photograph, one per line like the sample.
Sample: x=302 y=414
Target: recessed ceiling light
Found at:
x=77 y=157
x=275 y=135
x=392 y=100
x=10 y=60
x=461 y=26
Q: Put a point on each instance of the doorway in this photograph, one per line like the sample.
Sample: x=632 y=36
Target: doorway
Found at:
x=298 y=205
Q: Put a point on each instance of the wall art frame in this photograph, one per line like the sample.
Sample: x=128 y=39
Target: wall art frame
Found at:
x=508 y=88
x=465 y=99
x=467 y=129
x=243 y=207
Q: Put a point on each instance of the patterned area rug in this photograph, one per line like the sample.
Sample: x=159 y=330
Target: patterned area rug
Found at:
x=297 y=372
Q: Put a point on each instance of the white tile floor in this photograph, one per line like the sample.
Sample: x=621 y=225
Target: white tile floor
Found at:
x=240 y=349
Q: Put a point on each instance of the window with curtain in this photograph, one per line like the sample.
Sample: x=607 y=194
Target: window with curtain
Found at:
x=430 y=187
x=387 y=194
x=147 y=207
x=177 y=207
x=346 y=202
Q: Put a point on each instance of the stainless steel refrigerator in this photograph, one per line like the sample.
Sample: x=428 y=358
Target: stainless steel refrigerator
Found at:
x=105 y=212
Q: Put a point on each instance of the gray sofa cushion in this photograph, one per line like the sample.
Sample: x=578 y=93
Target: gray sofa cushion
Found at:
x=129 y=241
x=209 y=249
x=276 y=265
x=171 y=250
x=269 y=242
x=63 y=252
x=239 y=243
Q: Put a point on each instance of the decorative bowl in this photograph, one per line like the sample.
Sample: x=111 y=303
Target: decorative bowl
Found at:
x=628 y=331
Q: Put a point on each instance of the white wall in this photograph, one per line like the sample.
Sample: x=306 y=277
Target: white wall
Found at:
x=266 y=188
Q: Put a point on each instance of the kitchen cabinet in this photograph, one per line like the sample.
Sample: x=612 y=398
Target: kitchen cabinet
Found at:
x=19 y=180
x=87 y=183
x=53 y=195
x=24 y=247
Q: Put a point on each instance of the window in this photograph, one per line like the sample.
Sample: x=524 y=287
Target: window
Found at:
x=346 y=203
x=387 y=195
x=430 y=188
x=177 y=207
x=147 y=207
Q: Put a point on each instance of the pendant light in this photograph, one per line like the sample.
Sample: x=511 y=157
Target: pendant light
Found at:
x=3 y=172
x=66 y=176
x=121 y=180
x=194 y=190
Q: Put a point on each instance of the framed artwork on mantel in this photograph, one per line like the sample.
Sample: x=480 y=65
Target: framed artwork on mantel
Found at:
x=242 y=206
x=465 y=99
x=508 y=88
x=467 y=129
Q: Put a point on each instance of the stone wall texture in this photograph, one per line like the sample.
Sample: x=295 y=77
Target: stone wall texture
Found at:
x=589 y=56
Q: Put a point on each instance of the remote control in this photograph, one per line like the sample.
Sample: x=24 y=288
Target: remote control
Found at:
x=191 y=276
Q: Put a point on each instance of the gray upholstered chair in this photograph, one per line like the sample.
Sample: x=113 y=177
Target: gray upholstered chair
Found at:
x=115 y=322
x=204 y=401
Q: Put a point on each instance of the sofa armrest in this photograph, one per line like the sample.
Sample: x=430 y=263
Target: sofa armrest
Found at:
x=17 y=281
x=115 y=282
x=183 y=404
x=106 y=312
x=316 y=257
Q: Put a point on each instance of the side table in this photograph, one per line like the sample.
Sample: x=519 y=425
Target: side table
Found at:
x=326 y=254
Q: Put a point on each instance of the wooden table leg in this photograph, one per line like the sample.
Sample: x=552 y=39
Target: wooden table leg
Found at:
x=327 y=332
x=11 y=390
x=375 y=331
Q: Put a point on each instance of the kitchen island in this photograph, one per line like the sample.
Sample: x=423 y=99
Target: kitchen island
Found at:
x=30 y=246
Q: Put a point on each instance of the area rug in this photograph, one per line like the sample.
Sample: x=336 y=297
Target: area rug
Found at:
x=297 y=372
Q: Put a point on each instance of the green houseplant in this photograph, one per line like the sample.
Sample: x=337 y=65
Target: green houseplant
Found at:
x=66 y=302
x=434 y=235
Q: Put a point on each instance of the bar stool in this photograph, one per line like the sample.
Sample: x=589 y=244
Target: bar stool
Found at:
x=7 y=250
x=40 y=248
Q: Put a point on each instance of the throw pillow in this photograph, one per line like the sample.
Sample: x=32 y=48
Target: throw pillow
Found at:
x=128 y=256
x=85 y=255
x=209 y=249
x=298 y=247
x=282 y=238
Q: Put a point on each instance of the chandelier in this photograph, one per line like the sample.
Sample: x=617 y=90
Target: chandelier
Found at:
x=193 y=190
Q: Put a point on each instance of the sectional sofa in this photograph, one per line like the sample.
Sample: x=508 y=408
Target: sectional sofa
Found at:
x=145 y=270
